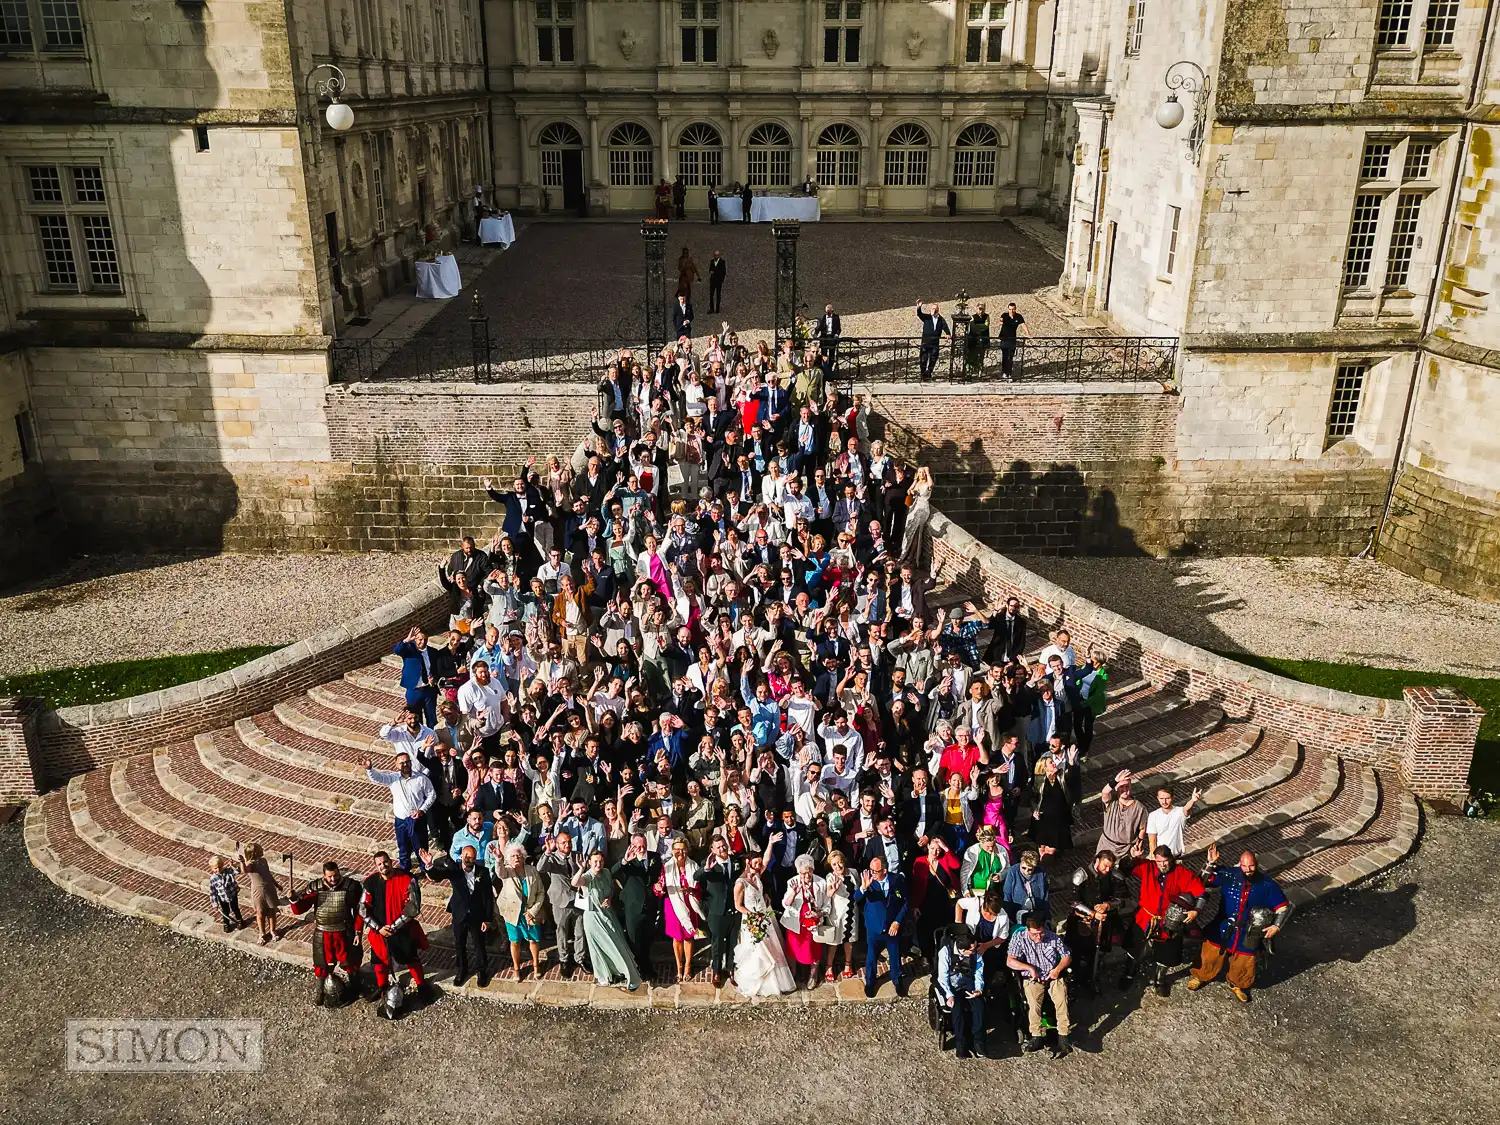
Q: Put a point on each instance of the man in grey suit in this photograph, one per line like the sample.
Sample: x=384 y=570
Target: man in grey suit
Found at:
x=558 y=864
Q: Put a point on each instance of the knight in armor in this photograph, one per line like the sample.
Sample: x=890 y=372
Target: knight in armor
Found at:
x=1255 y=910
x=1098 y=915
x=390 y=906
x=1170 y=898
x=335 y=902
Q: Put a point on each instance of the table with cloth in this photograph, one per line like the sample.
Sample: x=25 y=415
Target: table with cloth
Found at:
x=768 y=207
x=439 y=279
x=497 y=229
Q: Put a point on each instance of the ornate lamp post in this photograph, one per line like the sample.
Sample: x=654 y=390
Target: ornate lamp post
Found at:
x=654 y=240
x=339 y=116
x=1190 y=78
x=786 y=233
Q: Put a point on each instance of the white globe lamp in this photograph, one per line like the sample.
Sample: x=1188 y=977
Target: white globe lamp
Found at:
x=341 y=118
x=1169 y=114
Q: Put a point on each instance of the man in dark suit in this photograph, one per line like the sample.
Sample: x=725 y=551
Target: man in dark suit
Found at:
x=885 y=845
x=720 y=916
x=495 y=795
x=830 y=328
x=882 y=894
x=469 y=561
x=717 y=268
x=682 y=318
x=417 y=676
x=472 y=905
x=1007 y=634
x=934 y=328
x=747 y=198
x=524 y=508
x=637 y=874
x=783 y=846
x=449 y=778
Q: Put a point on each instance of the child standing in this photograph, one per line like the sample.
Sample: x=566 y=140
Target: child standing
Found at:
x=224 y=891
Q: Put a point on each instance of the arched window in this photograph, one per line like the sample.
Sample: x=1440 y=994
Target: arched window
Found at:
x=974 y=157
x=906 y=153
x=838 y=157
x=700 y=156
x=556 y=137
x=632 y=157
x=770 y=156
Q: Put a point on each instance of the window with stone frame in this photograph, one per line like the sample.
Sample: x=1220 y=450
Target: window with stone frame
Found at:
x=984 y=40
x=68 y=209
x=47 y=27
x=439 y=33
x=843 y=23
x=698 y=28
x=838 y=156
x=768 y=157
x=700 y=155
x=379 y=181
x=1170 y=241
x=1398 y=169
x=1135 y=26
x=907 y=155
x=1359 y=252
x=1393 y=24
x=632 y=156
x=1343 y=405
x=1440 y=25
x=555 y=29
x=974 y=155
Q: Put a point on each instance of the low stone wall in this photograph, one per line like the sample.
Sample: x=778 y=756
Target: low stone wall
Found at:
x=1441 y=534
x=71 y=740
x=1428 y=735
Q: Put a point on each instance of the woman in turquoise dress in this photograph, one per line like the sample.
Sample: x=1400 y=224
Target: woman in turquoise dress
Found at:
x=608 y=950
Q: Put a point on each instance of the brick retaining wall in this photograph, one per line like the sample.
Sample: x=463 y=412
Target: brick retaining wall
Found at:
x=1430 y=740
x=72 y=740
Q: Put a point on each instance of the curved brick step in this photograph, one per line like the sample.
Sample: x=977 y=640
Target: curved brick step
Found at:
x=1152 y=738
x=183 y=778
x=392 y=661
x=352 y=726
x=1388 y=839
x=308 y=718
x=1137 y=708
x=269 y=737
x=99 y=822
x=379 y=679
x=225 y=756
x=357 y=702
x=1276 y=757
x=1313 y=785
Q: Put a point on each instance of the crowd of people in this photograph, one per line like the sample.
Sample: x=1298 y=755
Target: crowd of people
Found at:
x=693 y=693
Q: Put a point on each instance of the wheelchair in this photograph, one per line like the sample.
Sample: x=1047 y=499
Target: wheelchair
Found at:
x=1003 y=999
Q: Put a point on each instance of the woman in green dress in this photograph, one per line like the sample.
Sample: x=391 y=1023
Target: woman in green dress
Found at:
x=977 y=341
x=608 y=951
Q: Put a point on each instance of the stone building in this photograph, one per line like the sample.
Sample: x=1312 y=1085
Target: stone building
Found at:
x=887 y=104
x=1319 y=231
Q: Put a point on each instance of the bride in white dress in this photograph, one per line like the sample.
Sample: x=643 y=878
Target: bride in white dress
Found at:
x=760 y=967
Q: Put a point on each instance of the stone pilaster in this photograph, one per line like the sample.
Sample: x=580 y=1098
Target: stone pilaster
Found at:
x=1439 y=745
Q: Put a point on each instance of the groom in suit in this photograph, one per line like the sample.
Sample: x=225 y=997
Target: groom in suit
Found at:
x=882 y=893
x=720 y=916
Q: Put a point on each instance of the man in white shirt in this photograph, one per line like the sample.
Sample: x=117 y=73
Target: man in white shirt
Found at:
x=551 y=571
x=409 y=735
x=1165 y=824
x=1061 y=646
x=485 y=701
x=801 y=709
x=412 y=795
x=840 y=734
x=796 y=506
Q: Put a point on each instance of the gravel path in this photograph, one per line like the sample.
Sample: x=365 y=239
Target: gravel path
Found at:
x=1377 y=1009
x=123 y=608
x=1348 y=610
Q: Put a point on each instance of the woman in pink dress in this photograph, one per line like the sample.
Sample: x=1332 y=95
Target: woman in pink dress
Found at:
x=804 y=909
x=679 y=887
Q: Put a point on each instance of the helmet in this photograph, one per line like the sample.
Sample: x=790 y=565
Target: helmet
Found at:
x=1261 y=919
x=1175 y=920
x=391 y=1002
x=333 y=990
x=1080 y=877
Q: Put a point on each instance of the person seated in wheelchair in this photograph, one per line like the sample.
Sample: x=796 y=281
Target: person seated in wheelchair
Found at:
x=1095 y=920
x=958 y=980
x=1042 y=959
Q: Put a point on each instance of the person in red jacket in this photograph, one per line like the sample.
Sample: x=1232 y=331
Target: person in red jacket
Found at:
x=390 y=907
x=1170 y=900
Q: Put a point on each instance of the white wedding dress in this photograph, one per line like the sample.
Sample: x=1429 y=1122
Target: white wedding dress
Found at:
x=760 y=967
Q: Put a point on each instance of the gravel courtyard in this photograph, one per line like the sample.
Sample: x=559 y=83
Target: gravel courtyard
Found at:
x=1380 y=1007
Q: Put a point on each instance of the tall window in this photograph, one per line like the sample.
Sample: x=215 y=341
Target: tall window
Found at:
x=70 y=214
x=700 y=156
x=632 y=159
x=699 y=24
x=52 y=26
x=1169 y=244
x=986 y=32
x=439 y=33
x=906 y=156
x=974 y=157
x=1360 y=251
x=1343 y=407
x=842 y=22
x=838 y=156
x=556 y=137
x=1403 y=239
x=1135 y=26
x=378 y=180
x=1392 y=23
x=769 y=162
x=1442 y=22
x=554 y=32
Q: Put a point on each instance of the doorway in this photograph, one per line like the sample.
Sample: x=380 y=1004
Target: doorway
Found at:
x=572 y=179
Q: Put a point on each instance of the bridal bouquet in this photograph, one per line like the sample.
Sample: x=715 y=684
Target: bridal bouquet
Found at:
x=759 y=924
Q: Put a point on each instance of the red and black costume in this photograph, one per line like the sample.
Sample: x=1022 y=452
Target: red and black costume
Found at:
x=394 y=900
x=336 y=923
x=1158 y=894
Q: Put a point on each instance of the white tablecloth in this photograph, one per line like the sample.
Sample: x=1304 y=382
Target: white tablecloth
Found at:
x=439 y=279
x=501 y=230
x=731 y=208
x=768 y=207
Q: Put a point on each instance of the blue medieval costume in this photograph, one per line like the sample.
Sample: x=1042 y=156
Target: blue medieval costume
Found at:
x=1250 y=905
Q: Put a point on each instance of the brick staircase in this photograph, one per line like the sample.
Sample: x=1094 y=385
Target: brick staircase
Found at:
x=136 y=836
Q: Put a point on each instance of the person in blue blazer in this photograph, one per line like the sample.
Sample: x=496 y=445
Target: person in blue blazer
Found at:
x=882 y=893
x=417 y=677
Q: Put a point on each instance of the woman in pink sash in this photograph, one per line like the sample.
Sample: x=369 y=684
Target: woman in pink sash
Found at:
x=684 y=916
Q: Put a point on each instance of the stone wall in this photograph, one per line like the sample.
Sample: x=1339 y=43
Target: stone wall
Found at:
x=72 y=740
x=1429 y=736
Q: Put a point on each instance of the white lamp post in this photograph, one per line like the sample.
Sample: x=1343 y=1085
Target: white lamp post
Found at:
x=339 y=116
x=1190 y=78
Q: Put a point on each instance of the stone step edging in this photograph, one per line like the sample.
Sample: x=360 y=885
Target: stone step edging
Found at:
x=327 y=800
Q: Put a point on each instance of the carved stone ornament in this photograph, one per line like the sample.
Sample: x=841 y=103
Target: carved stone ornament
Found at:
x=357 y=180
x=627 y=43
x=345 y=25
x=401 y=167
x=913 y=43
x=395 y=33
x=770 y=42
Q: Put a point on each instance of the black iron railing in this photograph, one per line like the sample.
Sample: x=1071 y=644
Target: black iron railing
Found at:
x=891 y=359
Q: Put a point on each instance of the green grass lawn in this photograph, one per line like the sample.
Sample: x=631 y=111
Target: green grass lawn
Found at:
x=1386 y=683
x=96 y=683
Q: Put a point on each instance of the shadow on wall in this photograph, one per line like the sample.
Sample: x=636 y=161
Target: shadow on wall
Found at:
x=132 y=422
